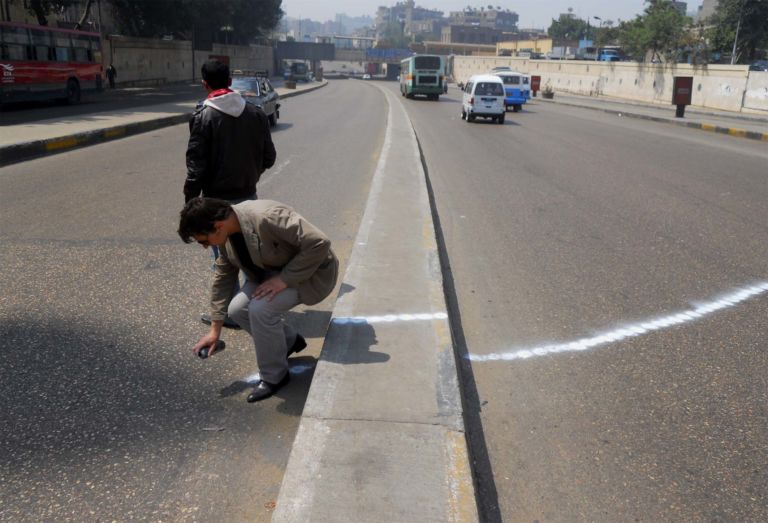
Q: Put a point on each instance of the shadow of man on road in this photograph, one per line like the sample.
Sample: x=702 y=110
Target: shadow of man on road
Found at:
x=349 y=342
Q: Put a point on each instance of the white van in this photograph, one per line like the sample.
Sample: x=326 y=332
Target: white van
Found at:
x=483 y=96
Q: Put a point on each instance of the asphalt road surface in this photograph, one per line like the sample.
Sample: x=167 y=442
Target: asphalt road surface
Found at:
x=565 y=224
x=105 y=413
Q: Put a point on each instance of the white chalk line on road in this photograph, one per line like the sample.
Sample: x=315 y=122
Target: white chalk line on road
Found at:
x=391 y=318
x=632 y=330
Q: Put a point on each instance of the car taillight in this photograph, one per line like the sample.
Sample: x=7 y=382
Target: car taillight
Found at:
x=472 y=100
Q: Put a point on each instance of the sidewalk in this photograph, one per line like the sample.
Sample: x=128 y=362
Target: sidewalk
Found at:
x=743 y=125
x=26 y=141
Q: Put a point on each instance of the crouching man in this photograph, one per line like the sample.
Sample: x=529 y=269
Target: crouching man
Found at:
x=287 y=261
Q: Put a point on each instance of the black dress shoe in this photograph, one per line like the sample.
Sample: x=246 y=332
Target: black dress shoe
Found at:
x=264 y=390
x=228 y=322
x=299 y=345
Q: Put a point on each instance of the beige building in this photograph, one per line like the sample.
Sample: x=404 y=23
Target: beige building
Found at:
x=515 y=47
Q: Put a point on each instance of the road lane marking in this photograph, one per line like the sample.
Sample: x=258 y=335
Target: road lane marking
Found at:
x=632 y=330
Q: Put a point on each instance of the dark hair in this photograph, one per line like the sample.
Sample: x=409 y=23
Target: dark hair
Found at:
x=215 y=74
x=199 y=215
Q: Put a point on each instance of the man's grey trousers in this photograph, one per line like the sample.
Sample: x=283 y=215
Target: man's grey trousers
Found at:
x=263 y=320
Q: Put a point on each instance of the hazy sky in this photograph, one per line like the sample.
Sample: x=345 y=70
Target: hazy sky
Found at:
x=533 y=13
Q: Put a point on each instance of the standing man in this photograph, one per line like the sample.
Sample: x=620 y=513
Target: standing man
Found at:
x=288 y=261
x=111 y=75
x=229 y=146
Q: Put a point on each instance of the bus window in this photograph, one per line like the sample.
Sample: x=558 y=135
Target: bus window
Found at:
x=62 y=46
x=95 y=51
x=427 y=62
x=41 y=44
x=81 y=54
x=15 y=43
x=81 y=45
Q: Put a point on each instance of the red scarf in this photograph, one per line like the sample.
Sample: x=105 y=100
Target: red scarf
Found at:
x=219 y=92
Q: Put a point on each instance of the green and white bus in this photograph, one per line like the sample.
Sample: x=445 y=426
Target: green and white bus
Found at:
x=422 y=74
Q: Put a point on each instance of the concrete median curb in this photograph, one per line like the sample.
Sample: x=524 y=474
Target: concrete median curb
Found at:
x=24 y=151
x=382 y=435
x=730 y=131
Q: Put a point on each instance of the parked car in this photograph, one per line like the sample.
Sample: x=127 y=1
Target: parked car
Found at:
x=760 y=65
x=483 y=96
x=259 y=91
x=366 y=76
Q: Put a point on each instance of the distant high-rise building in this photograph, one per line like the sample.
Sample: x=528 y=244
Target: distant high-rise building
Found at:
x=503 y=20
x=682 y=7
x=412 y=19
x=707 y=9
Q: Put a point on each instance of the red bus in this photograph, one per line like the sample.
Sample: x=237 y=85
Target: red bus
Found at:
x=38 y=62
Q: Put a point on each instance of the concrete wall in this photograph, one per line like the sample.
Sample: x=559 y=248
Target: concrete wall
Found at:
x=147 y=61
x=727 y=87
x=756 y=96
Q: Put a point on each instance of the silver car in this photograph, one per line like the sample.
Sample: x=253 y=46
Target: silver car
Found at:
x=259 y=91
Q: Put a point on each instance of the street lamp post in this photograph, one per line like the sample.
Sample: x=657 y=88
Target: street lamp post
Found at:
x=738 y=26
x=226 y=30
x=597 y=47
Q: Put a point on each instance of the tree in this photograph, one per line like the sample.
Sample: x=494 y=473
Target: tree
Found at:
x=568 y=27
x=41 y=8
x=84 y=16
x=150 y=18
x=660 y=30
x=753 y=28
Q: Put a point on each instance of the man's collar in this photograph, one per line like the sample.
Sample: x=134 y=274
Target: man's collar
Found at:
x=219 y=92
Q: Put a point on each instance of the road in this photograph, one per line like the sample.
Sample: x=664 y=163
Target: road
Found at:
x=567 y=223
x=105 y=412
x=558 y=227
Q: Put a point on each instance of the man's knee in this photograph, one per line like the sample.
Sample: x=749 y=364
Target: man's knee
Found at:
x=262 y=311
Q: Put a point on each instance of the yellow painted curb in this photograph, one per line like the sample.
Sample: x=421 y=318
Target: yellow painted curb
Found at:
x=111 y=133
x=61 y=144
x=737 y=132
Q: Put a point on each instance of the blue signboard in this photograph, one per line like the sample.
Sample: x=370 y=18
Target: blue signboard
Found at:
x=387 y=54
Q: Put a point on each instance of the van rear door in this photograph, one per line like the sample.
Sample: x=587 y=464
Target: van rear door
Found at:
x=489 y=97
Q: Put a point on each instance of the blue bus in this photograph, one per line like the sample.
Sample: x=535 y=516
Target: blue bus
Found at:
x=422 y=74
x=517 y=88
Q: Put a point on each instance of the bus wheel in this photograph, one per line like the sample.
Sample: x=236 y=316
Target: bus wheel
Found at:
x=73 y=91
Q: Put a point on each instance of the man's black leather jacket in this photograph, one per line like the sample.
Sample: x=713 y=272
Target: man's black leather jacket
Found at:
x=229 y=147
